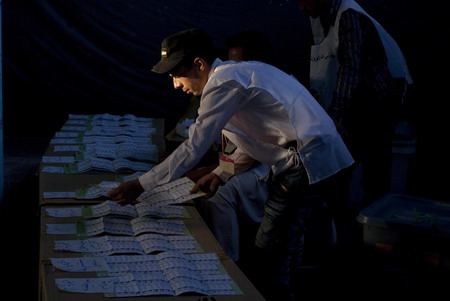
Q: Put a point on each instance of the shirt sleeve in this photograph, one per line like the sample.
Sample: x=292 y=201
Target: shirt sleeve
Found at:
x=218 y=104
x=349 y=55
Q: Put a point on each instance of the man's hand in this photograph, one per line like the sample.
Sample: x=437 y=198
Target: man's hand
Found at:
x=208 y=184
x=126 y=192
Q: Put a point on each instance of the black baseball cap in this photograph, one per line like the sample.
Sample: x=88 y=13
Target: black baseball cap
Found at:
x=187 y=43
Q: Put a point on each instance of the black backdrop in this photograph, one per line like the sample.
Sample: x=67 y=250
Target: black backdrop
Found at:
x=94 y=56
x=78 y=56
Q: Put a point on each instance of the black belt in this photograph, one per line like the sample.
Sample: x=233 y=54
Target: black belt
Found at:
x=290 y=144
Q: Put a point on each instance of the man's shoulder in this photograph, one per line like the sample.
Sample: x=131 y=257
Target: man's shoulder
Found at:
x=248 y=74
x=244 y=68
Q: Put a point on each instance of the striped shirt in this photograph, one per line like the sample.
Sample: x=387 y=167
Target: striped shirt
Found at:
x=362 y=59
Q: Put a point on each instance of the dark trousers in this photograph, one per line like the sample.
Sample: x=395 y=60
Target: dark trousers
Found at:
x=288 y=211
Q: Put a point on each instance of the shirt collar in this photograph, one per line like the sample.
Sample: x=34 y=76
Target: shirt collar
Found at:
x=217 y=62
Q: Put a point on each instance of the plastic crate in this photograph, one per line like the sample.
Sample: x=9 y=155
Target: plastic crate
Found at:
x=410 y=224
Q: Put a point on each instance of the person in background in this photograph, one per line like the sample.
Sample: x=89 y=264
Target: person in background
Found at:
x=249 y=45
x=270 y=117
x=359 y=75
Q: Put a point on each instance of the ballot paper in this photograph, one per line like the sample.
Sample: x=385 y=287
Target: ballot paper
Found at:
x=120 y=150
x=65 y=229
x=114 y=129
x=99 y=125
x=142 y=244
x=106 y=118
x=52 y=169
x=167 y=273
x=94 y=191
x=58 y=159
x=67 y=148
x=204 y=263
x=108 y=138
x=115 y=139
x=116 y=165
x=104 y=142
x=174 y=192
x=99 y=164
x=65 y=212
x=68 y=134
x=119 y=226
x=111 y=208
x=162 y=211
x=128 y=150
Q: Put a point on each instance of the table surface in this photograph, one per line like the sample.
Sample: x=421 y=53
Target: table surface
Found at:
x=195 y=224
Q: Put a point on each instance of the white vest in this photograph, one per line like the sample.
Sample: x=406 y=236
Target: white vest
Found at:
x=324 y=64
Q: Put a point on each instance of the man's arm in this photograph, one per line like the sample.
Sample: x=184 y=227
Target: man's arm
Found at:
x=218 y=105
x=349 y=55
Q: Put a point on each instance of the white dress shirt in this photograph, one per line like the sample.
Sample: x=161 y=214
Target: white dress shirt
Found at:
x=260 y=109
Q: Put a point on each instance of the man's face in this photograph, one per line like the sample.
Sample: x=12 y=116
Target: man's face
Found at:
x=311 y=7
x=191 y=80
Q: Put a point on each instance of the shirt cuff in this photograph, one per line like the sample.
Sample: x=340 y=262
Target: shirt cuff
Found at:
x=147 y=185
x=223 y=175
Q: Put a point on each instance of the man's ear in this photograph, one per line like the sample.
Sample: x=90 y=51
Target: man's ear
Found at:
x=200 y=64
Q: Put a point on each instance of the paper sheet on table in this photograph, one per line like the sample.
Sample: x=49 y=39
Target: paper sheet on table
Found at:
x=167 y=273
x=143 y=244
x=111 y=208
x=175 y=192
x=120 y=226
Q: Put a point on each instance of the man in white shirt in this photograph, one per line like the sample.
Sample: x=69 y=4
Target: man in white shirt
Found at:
x=235 y=211
x=270 y=117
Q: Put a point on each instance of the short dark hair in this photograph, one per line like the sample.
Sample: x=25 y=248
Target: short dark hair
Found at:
x=256 y=46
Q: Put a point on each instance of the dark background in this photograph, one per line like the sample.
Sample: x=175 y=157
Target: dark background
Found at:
x=88 y=57
x=95 y=56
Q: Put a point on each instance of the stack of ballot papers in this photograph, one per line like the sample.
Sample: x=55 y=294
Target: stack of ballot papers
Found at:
x=174 y=192
x=119 y=226
x=111 y=208
x=167 y=273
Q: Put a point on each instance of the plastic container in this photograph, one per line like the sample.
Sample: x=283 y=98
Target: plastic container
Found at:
x=410 y=224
